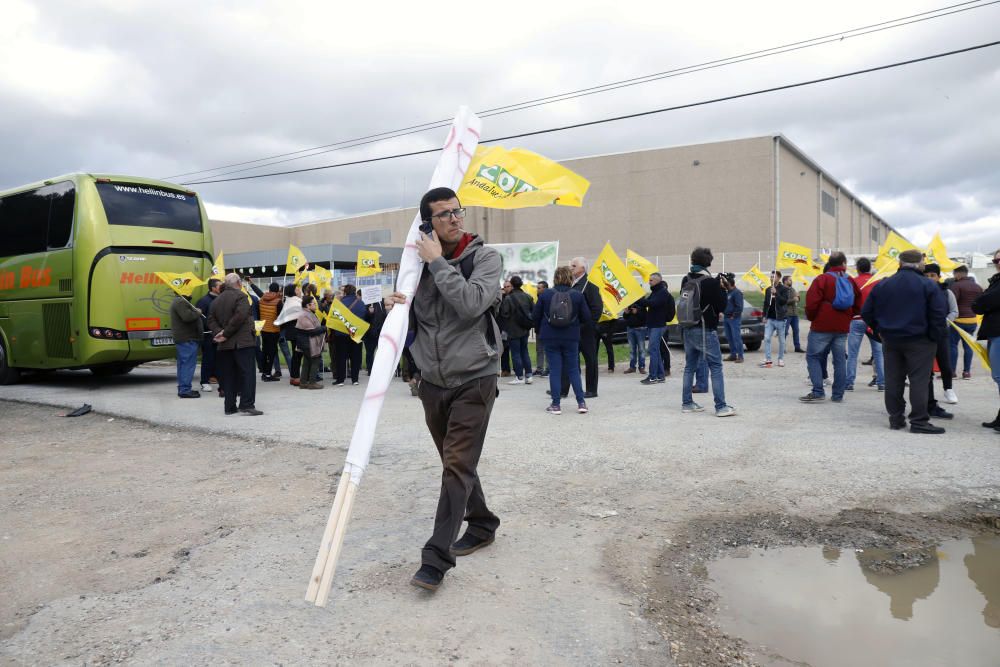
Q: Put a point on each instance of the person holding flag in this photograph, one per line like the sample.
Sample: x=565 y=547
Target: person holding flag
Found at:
x=347 y=349
x=186 y=327
x=455 y=345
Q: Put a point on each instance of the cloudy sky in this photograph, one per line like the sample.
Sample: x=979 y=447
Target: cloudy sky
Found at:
x=162 y=89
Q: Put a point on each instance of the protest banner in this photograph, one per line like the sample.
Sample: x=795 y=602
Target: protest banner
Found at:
x=531 y=261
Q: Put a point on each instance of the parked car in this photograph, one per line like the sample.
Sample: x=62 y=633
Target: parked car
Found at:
x=751 y=329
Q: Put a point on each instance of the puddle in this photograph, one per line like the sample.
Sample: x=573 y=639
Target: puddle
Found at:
x=829 y=606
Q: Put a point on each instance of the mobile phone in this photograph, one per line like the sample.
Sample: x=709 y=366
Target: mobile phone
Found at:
x=426 y=227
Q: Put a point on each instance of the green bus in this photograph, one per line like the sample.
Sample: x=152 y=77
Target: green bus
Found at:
x=78 y=262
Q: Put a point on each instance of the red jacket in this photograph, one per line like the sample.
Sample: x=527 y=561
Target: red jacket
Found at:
x=819 y=304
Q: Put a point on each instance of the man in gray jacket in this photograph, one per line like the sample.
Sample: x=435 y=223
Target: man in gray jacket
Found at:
x=455 y=347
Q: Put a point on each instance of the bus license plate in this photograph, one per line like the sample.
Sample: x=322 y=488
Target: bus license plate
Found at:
x=168 y=340
x=743 y=332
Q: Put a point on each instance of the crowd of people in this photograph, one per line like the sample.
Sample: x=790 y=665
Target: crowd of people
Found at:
x=487 y=328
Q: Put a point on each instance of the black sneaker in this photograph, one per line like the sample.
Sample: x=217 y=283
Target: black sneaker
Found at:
x=469 y=543
x=189 y=394
x=941 y=413
x=251 y=412
x=812 y=398
x=647 y=380
x=428 y=577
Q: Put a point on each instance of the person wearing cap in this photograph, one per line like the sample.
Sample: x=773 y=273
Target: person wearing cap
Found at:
x=907 y=312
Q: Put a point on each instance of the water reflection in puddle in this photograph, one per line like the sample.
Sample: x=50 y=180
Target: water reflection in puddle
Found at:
x=839 y=607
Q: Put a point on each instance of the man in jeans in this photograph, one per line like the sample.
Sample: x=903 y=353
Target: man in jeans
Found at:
x=515 y=314
x=859 y=329
x=659 y=311
x=775 y=312
x=701 y=342
x=207 y=344
x=185 y=325
x=456 y=347
x=541 y=362
x=966 y=291
x=635 y=329
x=829 y=328
x=733 y=317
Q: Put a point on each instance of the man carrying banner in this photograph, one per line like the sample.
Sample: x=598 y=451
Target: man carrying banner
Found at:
x=455 y=346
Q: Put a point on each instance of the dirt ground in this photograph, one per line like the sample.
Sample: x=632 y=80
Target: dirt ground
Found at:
x=184 y=538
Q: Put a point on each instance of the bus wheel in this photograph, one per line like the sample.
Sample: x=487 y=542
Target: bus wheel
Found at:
x=109 y=370
x=8 y=375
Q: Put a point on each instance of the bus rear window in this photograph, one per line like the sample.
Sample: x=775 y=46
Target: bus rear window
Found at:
x=147 y=206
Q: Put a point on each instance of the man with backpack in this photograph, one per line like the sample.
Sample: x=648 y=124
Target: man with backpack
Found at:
x=455 y=344
x=832 y=302
x=701 y=301
x=515 y=319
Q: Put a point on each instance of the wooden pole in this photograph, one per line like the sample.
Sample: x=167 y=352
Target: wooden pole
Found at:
x=337 y=542
x=324 y=546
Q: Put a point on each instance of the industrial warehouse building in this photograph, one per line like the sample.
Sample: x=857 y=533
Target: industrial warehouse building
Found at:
x=738 y=197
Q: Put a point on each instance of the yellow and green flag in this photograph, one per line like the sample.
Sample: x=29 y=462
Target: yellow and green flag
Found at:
x=367 y=263
x=976 y=346
x=894 y=244
x=340 y=318
x=219 y=268
x=937 y=253
x=640 y=264
x=518 y=178
x=296 y=260
x=794 y=256
x=618 y=288
x=182 y=283
x=323 y=277
x=757 y=278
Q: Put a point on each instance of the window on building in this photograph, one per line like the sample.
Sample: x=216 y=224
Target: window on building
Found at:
x=372 y=237
x=828 y=203
x=875 y=235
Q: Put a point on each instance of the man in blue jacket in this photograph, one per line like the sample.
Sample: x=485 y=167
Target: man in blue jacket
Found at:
x=660 y=309
x=733 y=317
x=908 y=313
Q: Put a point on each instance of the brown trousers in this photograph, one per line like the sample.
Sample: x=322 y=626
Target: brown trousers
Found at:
x=457 y=419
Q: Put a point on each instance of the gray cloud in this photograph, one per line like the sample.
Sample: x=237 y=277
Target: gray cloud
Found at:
x=185 y=86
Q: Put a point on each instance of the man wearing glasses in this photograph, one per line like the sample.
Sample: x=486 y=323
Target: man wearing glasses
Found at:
x=455 y=347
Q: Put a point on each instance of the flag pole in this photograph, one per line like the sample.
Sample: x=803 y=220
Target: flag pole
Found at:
x=325 y=546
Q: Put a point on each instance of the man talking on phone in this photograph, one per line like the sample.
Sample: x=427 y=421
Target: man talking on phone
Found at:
x=455 y=347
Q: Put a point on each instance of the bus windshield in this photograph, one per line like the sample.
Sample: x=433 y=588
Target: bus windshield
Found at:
x=148 y=206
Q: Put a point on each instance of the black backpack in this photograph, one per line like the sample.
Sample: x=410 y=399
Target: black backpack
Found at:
x=560 y=315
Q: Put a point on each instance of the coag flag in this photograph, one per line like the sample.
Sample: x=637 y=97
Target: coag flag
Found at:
x=340 y=318
x=894 y=244
x=937 y=253
x=889 y=268
x=793 y=256
x=296 y=260
x=182 y=283
x=323 y=276
x=757 y=278
x=976 y=346
x=518 y=178
x=219 y=268
x=367 y=263
x=531 y=289
x=618 y=288
x=640 y=264
x=801 y=276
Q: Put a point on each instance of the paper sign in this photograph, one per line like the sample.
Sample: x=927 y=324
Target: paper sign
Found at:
x=371 y=294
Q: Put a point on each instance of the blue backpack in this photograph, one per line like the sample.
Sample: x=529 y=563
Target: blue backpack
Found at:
x=844 y=299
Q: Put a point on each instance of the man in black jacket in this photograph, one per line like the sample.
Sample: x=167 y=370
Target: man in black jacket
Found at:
x=660 y=309
x=775 y=316
x=588 y=329
x=908 y=313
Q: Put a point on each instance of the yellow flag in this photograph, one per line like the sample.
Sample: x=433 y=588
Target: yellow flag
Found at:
x=182 y=283
x=793 y=256
x=324 y=277
x=531 y=289
x=367 y=263
x=219 y=268
x=894 y=244
x=321 y=316
x=296 y=260
x=343 y=320
x=802 y=276
x=618 y=288
x=889 y=268
x=257 y=326
x=518 y=178
x=976 y=346
x=757 y=278
x=937 y=253
x=640 y=264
